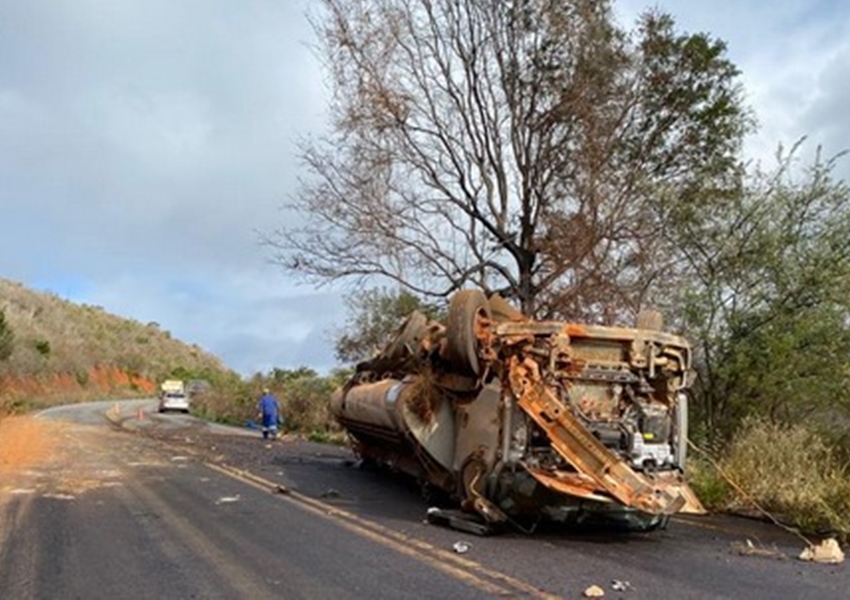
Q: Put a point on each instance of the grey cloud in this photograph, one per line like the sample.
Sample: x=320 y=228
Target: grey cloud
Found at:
x=143 y=143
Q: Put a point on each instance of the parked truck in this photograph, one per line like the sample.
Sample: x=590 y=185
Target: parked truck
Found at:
x=517 y=420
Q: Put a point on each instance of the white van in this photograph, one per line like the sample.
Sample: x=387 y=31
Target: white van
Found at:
x=173 y=401
x=173 y=396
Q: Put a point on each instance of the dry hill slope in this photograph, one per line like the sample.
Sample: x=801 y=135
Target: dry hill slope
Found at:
x=81 y=351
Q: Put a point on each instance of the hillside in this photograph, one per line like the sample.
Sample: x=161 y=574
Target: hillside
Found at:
x=81 y=351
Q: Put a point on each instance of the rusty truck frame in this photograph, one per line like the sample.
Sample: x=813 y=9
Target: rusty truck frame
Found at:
x=519 y=420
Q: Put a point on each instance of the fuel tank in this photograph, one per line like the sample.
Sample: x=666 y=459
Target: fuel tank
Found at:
x=393 y=420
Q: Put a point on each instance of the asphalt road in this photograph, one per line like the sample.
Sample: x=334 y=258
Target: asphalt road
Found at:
x=167 y=507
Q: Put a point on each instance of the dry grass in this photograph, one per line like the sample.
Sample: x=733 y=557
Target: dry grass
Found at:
x=786 y=470
x=79 y=336
x=305 y=404
x=425 y=398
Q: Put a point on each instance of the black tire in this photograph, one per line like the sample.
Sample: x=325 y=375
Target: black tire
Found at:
x=466 y=308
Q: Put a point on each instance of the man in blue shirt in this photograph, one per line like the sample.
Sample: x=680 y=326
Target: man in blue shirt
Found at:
x=269 y=412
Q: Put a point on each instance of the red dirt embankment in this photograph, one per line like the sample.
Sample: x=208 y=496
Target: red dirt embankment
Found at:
x=97 y=382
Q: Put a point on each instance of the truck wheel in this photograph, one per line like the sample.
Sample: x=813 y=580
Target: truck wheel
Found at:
x=466 y=308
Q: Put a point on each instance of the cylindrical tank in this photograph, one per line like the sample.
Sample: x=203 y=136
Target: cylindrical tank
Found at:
x=379 y=417
x=370 y=404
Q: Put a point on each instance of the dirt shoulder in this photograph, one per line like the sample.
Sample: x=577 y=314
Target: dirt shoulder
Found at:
x=27 y=442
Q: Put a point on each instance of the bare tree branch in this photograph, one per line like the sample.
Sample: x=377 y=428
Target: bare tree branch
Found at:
x=523 y=145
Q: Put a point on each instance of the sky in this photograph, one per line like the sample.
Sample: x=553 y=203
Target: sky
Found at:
x=145 y=146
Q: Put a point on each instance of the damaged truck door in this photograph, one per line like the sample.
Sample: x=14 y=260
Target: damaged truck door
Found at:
x=520 y=420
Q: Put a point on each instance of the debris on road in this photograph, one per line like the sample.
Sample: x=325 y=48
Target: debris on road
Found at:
x=620 y=586
x=827 y=552
x=461 y=547
x=228 y=499
x=594 y=591
x=748 y=548
x=329 y=493
x=458 y=520
x=282 y=489
x=59 y=496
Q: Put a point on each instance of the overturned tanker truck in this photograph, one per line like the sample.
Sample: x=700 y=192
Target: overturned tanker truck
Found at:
x=518 y=421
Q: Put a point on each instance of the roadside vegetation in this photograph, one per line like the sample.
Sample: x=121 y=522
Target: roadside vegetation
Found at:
x=783 y=472
x=304 y=401
x=54 y=351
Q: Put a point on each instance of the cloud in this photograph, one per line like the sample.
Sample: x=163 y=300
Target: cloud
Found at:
x=142 y=146
x=790 y=54
x=253 y=321
x=144 y=143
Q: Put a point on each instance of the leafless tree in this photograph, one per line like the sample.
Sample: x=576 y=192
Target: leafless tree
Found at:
x=530 y=147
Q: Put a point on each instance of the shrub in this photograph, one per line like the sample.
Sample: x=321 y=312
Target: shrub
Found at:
x=305 y=404
x=7 y=338
x=713 y=491
x=42 y=347
x=788 y=470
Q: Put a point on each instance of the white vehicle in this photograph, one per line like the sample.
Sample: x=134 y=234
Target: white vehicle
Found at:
x=173 y=396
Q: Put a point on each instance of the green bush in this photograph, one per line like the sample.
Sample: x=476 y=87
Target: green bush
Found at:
x=7 y=338
x=709 y=485
x=305 y=404
x=42 y=347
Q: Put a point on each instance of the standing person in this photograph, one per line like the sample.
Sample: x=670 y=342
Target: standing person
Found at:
x=269 y=412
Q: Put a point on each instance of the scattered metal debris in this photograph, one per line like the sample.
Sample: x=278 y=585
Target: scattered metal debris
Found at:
x=456 y=519
x=620 y=586
x=827 y=552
